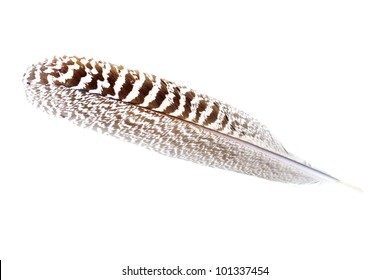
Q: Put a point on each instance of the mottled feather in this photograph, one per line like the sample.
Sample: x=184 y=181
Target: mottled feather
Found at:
x=162 y=116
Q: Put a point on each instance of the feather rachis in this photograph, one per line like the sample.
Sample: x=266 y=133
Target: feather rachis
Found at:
x=162 y=116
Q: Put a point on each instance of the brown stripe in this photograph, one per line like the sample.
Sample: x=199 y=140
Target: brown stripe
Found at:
x=93 y=83
x=77 y=75
x=70 y=62
x=214 y=114
x=42 y=74
x=201 y=107
x=43 y=77
x=57 y=72
x=95 y=77
x=187 y=106
x=99 y=69
x=112 y=77
x=64 y=69
x=175 y=102
x=127 y=85
x=89 y=65
x=143 y=91
x=160 y=95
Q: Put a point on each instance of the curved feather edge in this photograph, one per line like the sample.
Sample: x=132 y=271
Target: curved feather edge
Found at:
x=167 y=134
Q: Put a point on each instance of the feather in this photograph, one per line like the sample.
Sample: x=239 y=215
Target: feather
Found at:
x=162 y=116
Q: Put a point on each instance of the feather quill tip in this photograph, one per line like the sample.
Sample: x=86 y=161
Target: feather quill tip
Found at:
x=355 y=188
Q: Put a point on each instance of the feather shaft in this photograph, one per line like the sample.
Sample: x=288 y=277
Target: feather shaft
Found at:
x=162 y=116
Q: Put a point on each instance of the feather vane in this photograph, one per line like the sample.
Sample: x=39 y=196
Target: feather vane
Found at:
x=162 y=116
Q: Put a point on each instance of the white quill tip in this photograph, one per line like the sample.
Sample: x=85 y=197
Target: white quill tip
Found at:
x=350 y=186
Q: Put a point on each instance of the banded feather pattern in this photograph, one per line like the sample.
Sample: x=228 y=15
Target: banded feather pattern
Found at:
x=165 y=117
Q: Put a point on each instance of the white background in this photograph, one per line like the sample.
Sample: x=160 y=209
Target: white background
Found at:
x=75 y=204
